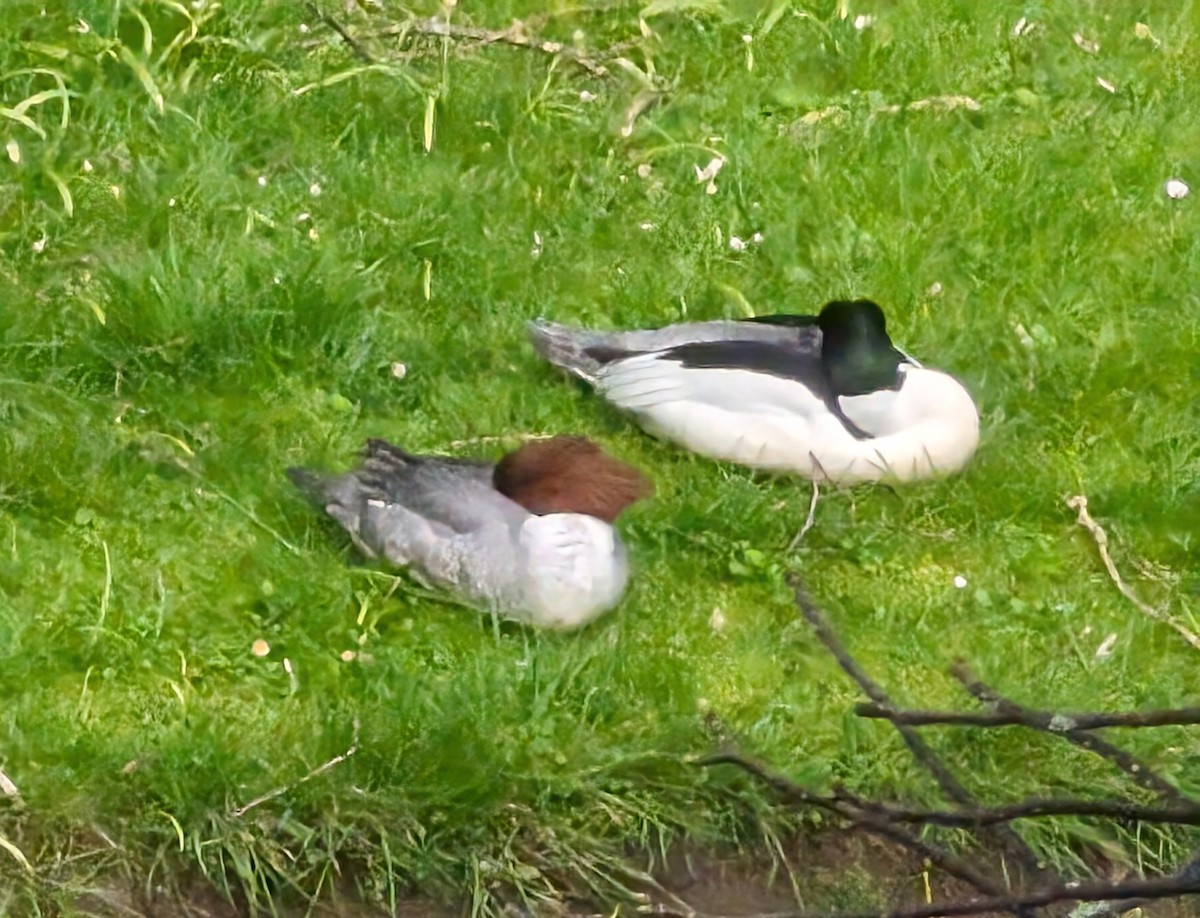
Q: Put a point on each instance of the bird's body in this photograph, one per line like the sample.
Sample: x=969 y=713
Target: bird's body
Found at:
x=827 y=397
x=529 y=538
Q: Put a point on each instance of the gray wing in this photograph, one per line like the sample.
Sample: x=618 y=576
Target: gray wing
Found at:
x=451 y=495
x=585 y=352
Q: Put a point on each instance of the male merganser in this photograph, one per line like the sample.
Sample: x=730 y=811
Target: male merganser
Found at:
x=828 y=397
x=528 y=538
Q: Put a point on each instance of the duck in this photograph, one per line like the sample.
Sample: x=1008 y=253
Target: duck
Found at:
x=827 y=397
x=528 y=538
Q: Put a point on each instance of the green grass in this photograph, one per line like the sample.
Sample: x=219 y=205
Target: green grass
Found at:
x=173 y=334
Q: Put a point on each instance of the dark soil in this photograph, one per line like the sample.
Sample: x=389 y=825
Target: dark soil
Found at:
x=835 y=871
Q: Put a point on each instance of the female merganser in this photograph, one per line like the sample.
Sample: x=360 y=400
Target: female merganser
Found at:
x=828 y=397
x=528 y=538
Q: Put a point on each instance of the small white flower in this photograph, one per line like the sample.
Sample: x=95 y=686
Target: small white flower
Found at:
x=643 y=170
x=737 y=244
x=262 y=181
x=315 y=190
x=747 y=38
x=646 y=226
x=1177 y=188
x=87 y=166
x=863 y=22
x=960 y=582
x=303 y=28
x=313 y=234
x=935 y=289
x=348 y=656
x=277 y=279
x=171 y=202
x=115 y=191
x=757 y=238
x=399 y=370
x=716 y=621
x=586 y=96
x=260 y=648
x=40 y=245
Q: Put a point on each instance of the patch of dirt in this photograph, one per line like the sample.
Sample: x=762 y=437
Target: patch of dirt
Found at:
x=834 y=871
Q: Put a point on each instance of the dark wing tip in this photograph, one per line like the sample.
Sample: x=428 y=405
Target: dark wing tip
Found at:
x=310 y=481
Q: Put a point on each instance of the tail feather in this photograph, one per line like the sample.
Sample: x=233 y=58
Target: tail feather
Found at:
x=313 y=484
x=565 y=347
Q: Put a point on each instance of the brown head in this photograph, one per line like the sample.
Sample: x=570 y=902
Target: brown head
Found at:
x=569 y=475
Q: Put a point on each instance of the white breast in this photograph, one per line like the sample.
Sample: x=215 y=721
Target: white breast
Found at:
x=930 y=426
x=573 y=568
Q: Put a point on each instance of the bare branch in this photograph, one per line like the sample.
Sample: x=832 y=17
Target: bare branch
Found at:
x=1140 y=771
x=514 y=36
x=349 y=39
x=925 y=756
x=1079 y=504
x=1029 y=809
x=1037 y=720
x=868 y=819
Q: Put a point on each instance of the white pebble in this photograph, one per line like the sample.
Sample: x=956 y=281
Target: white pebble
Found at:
x=399 y=370
x=1177 y=188
x=960 y=582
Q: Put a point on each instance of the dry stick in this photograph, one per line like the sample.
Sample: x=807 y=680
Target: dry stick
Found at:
x=349 y=39
x=1138 y=770
x=1037 y=720
x=1029 y=809
x=510 y=36
x=809 y=520
x=284 y=788
x=866 y=818
x=921 y=751
x=1079 y=503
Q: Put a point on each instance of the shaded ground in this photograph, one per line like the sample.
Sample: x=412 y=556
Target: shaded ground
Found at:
x=836 y=871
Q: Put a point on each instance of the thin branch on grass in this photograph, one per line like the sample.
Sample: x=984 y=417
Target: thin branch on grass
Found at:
x=1079 y=504
x=514 y=35
x=1036 y=720
x=808 y=520
x=1030 y=809
x=866 y=818
x=925 y=756
x=1138 y=770
x=349 y=39
x=286 y=788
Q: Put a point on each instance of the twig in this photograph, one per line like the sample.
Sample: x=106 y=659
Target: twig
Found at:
x=513 y=35
x=867 y=818
x=1139 y=771
x=1079 y=504
x=1028 y=809
x=349 y=39
x=921 y=751
x=284 y=788
x=808 y=521
x=1037 y=720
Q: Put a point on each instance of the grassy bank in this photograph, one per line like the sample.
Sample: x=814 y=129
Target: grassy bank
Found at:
x=222 y=226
